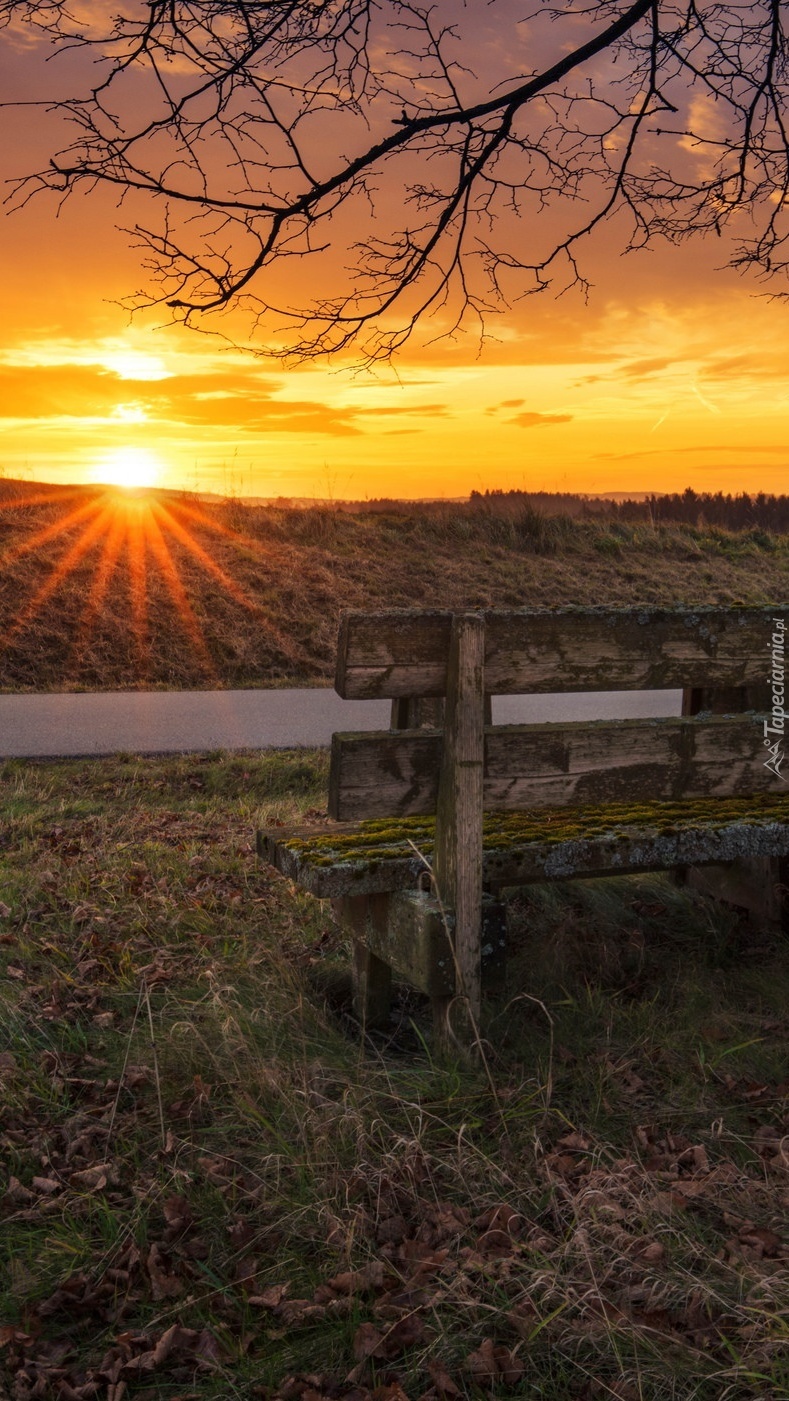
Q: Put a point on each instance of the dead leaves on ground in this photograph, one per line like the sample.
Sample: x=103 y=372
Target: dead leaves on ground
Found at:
x=429 y=1288
x=595 y=1258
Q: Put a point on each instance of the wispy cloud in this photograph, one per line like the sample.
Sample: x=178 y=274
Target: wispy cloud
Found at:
x=739 y=450
x=539 y=420
x=644 y=369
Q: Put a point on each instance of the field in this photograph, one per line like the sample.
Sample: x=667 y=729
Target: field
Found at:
x=213 y=1187
x=108 y=590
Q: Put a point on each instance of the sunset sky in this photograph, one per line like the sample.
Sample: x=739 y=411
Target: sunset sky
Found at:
x=674 y=373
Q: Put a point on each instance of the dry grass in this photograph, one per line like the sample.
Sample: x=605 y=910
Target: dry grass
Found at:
x=264 y=586
x=321 y=1219
x=211 y=1188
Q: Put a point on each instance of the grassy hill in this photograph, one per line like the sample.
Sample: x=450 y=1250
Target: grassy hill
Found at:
x=102 y=589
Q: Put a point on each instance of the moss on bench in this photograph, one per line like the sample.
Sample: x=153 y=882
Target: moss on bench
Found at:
x=553 y=843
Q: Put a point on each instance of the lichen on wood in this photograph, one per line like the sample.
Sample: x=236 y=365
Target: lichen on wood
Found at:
x=554 y=843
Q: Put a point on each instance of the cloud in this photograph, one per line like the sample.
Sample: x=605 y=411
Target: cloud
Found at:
x=434 y=410
x=505 y=404
x=635 y=369
x=747 y=366
x=742 y=449
x=537 y=420
x=642 y=369
x=52 y=391
x=242 y=399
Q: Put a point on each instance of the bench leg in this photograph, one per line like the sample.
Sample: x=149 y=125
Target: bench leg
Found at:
x=372 y=987
x=372 y=977
x=758 y=884
x=493 y=969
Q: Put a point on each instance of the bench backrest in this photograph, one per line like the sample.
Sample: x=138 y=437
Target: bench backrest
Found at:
x=710 y=653
x=534 y=650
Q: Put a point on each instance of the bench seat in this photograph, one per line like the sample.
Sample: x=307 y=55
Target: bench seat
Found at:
x=383 y=854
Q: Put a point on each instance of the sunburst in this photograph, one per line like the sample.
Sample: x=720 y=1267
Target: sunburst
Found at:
x=135 y=531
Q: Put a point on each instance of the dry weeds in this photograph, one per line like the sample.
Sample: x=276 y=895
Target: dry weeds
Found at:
x=323 y=1219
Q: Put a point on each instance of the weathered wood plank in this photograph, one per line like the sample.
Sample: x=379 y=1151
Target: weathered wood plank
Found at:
x=457 y=867
x=405 y=931
x=372 y=978
x=403 y=653
x=755 y=881
x=417 y=713
x=425 y=713
x=757 y=885
x=555 y=844
x=531 y=766
x=725 y=700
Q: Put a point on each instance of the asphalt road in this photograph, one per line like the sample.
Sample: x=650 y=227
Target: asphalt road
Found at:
x=168 y=722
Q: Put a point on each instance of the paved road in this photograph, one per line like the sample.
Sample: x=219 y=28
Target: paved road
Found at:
x=167 y=722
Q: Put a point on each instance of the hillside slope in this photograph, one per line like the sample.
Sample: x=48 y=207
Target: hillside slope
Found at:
x=104 y=590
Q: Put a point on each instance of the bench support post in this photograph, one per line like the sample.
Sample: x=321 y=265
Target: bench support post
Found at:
x=372 y=977
x=757 y=884
x=426 y=712
x=458 y=852
x=372 y=987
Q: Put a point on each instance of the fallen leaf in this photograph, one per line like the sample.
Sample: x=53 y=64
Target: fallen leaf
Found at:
x=47 y=1185
x=442 y=1380
x=649 y=1250
x=178 y=1215
x=492 y=1362
x=370 y=1276
x=761 y=1240
x=92 y=1179
x=164 y=1284
x=271 y=1297
x=295 y=1312
x=501 y=1218
x=366 y=1341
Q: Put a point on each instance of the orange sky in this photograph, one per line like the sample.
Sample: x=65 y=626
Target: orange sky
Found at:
x=673 y=374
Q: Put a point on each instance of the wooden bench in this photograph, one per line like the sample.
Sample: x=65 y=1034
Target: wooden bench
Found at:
x=436 y=816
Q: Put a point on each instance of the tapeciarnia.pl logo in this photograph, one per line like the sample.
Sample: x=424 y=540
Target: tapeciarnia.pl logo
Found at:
x=777 y=721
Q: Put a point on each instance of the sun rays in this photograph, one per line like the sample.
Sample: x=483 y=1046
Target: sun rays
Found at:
x=134 y=543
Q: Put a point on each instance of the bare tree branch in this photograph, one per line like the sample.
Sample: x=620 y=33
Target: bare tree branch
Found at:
x=347 y=170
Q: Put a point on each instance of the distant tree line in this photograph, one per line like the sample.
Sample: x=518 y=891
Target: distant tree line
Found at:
x=740 y=511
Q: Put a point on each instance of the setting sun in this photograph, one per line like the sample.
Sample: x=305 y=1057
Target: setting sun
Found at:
x=128 y=467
